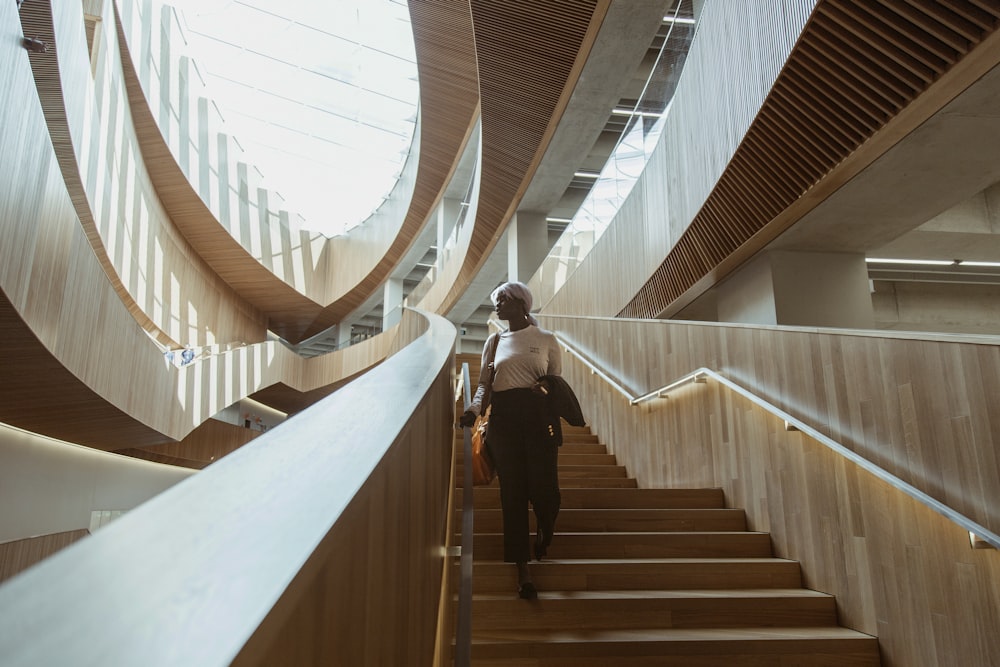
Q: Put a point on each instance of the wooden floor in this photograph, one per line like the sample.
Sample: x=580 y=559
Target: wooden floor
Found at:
x=644 y=577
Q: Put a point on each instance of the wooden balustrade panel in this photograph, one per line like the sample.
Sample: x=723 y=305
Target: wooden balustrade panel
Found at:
x=321 y=542
x=209 y=442
x=18 y=555
x=171 y=291
x=924 y=409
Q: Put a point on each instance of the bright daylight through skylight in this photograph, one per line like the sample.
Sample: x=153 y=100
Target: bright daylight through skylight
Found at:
x=322 y=94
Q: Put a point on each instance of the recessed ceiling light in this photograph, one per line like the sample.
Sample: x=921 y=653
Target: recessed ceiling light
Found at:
x=928 y=262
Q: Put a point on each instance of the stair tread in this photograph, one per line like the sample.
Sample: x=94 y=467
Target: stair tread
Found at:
x=630 y=511
x=670 y=634
x=668 y=534
x=578 y=497
x=681 y=594
x=666 y=577
x=632 y=562
x=643 y=519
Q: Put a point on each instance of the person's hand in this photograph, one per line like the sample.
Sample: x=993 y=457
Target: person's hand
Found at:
x=468 y=418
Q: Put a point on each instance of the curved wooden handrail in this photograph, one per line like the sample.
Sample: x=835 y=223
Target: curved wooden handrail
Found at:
x=977 y=530
x=300 y=529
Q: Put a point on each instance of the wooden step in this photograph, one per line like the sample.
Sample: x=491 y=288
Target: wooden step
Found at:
x=597 y=483
x=646 y=577
x=583 y=448
x=618 y=520
x=488 y=497
x=575 y=458
x=572 y=437
x=569 y=471
x=492 y=576
x=567 y=453
x=621 y=610
x=569 y=442
x=671 y=647
x=572 y=471
x=568 y=482
x=704 y=544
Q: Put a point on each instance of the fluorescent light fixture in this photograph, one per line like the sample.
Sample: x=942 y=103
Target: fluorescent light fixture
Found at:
x=927 y=262
x=630 y=112
x=587 y=174
x=563 y=220
x=682 y=21
x=966 y=263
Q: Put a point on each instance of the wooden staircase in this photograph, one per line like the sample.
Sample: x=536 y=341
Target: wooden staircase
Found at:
x=644 y=577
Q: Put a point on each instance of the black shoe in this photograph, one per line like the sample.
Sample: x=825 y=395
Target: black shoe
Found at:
x=539 y=547
x=527 y=591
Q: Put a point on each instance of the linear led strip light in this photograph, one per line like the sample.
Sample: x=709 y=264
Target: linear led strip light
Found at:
x=931 y=262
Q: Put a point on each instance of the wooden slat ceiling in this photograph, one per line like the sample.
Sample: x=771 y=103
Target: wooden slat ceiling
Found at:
x=530 y=54
x=857 y=64
x=449 y=99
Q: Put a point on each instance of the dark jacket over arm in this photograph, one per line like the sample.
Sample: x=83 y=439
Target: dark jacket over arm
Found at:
x=563 y=401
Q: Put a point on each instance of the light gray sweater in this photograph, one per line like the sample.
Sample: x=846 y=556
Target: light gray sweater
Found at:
x=522 y=357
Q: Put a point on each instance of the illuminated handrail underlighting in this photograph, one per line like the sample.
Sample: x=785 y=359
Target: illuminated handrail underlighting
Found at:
x=979 y=535
x=931 y=262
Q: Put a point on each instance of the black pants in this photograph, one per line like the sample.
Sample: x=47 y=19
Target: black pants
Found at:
x=526 y=458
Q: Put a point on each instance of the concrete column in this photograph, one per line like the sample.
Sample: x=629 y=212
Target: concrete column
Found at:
x=796 y=288
x=442 y=236
x=527 y=245
x=447 y=215
x=392 y=303
x=343 y=335
x=697 y=6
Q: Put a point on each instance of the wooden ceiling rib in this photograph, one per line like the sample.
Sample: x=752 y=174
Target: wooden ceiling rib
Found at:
x=529 y=55
x=857 y=64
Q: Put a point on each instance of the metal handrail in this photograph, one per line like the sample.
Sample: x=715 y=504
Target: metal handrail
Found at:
x=977 y=532
x=463 y=625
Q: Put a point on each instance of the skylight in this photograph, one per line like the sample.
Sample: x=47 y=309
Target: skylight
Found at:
x=322 y=94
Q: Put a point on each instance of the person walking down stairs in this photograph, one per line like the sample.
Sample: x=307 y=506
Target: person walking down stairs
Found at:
x=523 y=436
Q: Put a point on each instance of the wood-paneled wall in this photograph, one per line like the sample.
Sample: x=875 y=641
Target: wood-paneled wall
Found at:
x=155 y=270
x=925 y=409
x=18 y=555
x=209 y=442
x=319 y=543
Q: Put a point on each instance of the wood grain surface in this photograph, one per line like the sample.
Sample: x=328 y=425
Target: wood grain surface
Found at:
x=924 y=408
